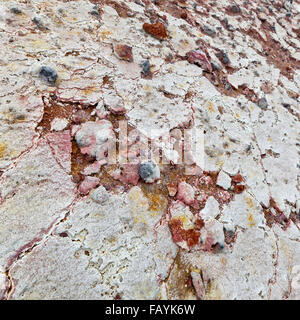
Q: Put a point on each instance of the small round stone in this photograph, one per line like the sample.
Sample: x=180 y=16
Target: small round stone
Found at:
x=262 y=103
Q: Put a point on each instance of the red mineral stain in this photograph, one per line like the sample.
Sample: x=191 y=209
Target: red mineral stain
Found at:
x=128 y=173
x=190 y=236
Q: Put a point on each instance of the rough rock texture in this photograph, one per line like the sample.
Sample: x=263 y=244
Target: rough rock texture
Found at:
x=82 y=79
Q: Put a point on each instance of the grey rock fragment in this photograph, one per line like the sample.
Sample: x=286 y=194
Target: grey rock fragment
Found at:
x=15 y=10
x=209 y=31
x=100 y=195
x=149 y=171
x=48 y=74
x=145 y=67
x=38 y=22
x=262 y=103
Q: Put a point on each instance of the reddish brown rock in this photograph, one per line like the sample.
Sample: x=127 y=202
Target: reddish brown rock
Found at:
x=157 y=30
x=237 y=178
x=123 y=52
x=239 y=188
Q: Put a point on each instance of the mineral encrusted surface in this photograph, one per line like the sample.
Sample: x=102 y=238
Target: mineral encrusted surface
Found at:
x=74 y=224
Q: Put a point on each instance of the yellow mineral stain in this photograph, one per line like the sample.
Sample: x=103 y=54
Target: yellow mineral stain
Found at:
x=212 y=291
x=41 y=44
x=249 y=202
x=2 y=149
x=147 y=88
x=104 y=34
x=224 y=261
x=210 y=107
x=136 y=197
x=187 y=224
x=89 y=91
x=251 y=220
x=156 y=201
x=220 y=162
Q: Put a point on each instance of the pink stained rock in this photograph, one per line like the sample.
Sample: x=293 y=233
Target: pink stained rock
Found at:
x=186 y=193
x=128 y=173
x=199 y=57
x=198 y=284
x=88 y=184
x=61 y=146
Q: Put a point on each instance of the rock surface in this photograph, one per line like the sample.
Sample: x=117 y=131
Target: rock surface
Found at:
x=87 y=86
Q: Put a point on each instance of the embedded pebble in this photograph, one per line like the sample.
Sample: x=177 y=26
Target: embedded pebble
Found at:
x=100 y=195
x=149 y=171
x=263 y=103
x=48 y=74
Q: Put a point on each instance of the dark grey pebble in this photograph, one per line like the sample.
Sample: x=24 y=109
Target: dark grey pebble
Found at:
x=146 y=169
x=15 y=11
x=209 y=31
x=146 y=66
x=48 y=74
x=262 y=103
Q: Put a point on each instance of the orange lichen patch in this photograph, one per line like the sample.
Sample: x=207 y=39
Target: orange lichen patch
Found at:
x=3 y=148
x=157 y=30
